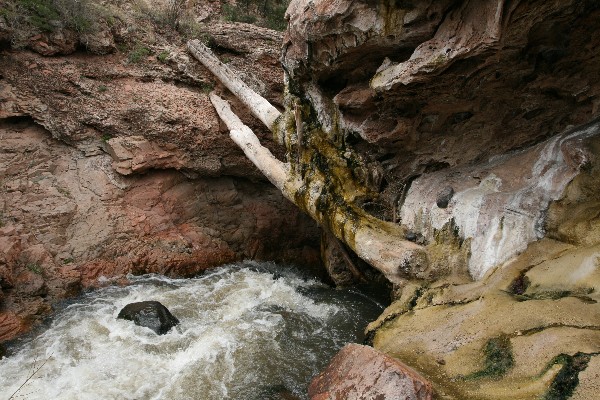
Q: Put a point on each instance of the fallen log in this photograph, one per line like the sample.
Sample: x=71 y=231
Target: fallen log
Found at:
x=379 y=243
x=276 y=171
x=258 y=105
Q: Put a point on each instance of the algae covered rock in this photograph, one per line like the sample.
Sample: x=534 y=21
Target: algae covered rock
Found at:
x=528 y=330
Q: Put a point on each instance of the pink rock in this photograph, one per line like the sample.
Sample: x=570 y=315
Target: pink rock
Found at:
x=361 y=372
x=10 y=325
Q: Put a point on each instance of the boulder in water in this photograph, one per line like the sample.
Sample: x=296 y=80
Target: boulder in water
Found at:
x=150 y=314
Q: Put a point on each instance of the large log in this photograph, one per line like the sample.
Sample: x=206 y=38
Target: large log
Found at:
x=276 y=171
x=258 y=105
x=379 y=243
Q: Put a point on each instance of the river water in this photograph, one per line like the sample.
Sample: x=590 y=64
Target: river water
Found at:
x=247 y=331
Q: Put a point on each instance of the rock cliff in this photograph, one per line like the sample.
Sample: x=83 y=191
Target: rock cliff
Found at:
x=112 y=164
x=451 y=145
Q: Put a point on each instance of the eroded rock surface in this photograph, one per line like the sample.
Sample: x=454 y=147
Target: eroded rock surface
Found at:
x=500 y=206
x=457 y=83
x=70 y=220
x=360 y=372
x=473 y=126
x=508 y=336
x=110 y=167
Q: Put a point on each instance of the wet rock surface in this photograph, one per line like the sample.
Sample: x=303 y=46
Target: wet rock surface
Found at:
x=422 y=86
x=473 y=126
x=480 y=340
x=69 y=220
x=149 y=314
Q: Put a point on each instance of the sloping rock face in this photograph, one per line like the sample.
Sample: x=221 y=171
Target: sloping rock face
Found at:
x=500 y=205
x=360 y=372
x=110 y=167
x=526 y=331
x=472 y=125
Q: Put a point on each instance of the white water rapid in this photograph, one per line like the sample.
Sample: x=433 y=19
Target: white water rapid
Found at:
x=246 y=332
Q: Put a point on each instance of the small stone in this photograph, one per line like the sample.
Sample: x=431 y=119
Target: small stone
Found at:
x=411 y=236
x=444 y=197
x=150 y=314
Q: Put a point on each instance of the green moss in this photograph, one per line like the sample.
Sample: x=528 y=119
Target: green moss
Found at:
x=498 y=359
x=555 y=294
x=567 y=379
x=207 y=87
x=267 y=13
x=162 y=56
x=35 y=268
x=412 y=303
x=331 y=191
x=40 y=13
x=234 y=13
x=519 y=285
x=64 y=192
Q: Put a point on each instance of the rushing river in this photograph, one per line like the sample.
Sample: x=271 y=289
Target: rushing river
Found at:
x=247 y=331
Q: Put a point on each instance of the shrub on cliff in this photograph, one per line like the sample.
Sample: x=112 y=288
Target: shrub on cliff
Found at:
x=27 y=18
x=267 y=13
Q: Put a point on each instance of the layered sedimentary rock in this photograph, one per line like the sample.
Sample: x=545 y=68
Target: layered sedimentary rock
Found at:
x=383 y=96
x=110 y=167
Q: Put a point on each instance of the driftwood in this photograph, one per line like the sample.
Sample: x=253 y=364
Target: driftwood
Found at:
x=276 y=171
x=258 y=105
x=379 y=243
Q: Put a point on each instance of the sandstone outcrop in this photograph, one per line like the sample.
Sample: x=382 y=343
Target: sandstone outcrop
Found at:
x=525 y=331
x=414 y=86
x=360 y=372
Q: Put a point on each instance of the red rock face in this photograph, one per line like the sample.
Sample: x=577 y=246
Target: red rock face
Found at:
x=109 y=168
x=71 y=221
x=361 y=372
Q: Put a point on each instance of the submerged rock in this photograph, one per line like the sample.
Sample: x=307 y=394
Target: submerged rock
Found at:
x=150 y=314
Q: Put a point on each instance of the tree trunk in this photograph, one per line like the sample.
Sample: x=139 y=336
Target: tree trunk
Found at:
x=258 y=105
x=379 y=243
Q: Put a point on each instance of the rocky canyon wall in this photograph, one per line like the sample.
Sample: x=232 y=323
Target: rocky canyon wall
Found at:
x=470 y=129
x=112 y=165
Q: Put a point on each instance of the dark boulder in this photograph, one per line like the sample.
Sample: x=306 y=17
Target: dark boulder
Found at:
x=150 y=314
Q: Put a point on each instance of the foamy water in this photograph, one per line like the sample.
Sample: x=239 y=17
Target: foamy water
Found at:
x=246 y=332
